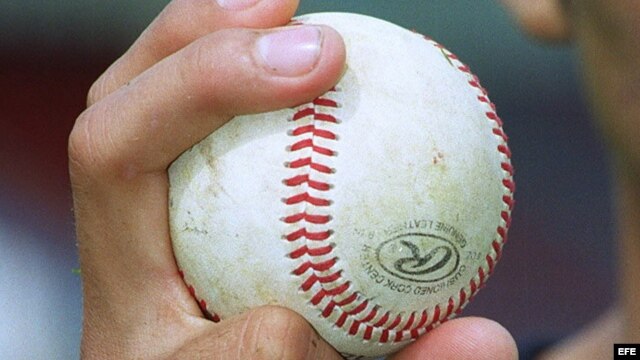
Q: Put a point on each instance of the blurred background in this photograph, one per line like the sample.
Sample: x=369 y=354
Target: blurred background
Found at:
x=557 y=270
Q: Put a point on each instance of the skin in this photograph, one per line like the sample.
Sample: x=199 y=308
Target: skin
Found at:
x=607 y=34
x=194 y=68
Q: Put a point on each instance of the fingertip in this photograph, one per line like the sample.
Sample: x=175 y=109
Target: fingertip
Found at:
x=299 y=62
x=276 y=68
x=334 y=51
x=546 y=20
x=327 y=69
x=463 y=338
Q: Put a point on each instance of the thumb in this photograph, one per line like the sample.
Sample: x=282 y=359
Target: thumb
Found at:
x=463 y=338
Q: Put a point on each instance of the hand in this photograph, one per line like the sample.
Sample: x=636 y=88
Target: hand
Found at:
x=195 y=67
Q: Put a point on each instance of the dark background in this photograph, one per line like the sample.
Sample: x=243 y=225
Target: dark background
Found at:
x=557 y=270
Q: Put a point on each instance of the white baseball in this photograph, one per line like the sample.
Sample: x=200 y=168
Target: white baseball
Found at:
x=376 y=212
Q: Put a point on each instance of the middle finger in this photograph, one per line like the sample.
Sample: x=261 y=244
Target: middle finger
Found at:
x=181 y=23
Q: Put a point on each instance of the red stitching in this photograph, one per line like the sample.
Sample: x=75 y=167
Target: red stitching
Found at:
x=300 y=163
x=346 y=314
x=303 y=113
x=325 y=101
x=505 y=150
x=384 y=337
x=332 y=304
x=308 y=143
x=354 y=327
x=311 y=280
x=481 y=276
x=508 y=168
x=326 y=117
x=392 y=328
x=305 y=250
x=382 y=320
x=502 y=232
x=309 y=235
x=399 y=336
x=306 y=197
x=435 y=318
x=322 y=277
x=301 y=179
x=412 y=318
x=368 y=332
x=370 y=316
x=321 y=266
x=501 y=133
x=474 y=288
x=491 y=263
x=322 y=293
x=463 y=298
x=395 y=322
x=310 y=218
x=316 y=132
x=311 y=117
x=202 y=304
x=450 y=307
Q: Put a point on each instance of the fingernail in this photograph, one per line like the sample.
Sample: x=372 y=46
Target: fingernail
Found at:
x=236 y=4
x=292 y=51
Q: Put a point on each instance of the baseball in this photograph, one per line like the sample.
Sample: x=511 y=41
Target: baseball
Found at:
x=377 y=211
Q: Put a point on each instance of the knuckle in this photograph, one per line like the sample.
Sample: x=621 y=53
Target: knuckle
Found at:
x=100 y=88
x=196 y=67
x=95 y=92
x=213 y=61
x=87 y=148
x=169 y=30
x=80 y=148
x=276 y=333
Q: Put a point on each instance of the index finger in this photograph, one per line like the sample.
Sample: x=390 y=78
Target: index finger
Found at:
x=181 y=23
x=120 y=148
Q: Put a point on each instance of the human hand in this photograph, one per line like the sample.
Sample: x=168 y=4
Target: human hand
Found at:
x=195 y=67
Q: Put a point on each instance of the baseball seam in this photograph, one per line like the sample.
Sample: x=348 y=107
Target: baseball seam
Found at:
x=330 y=292
x=310 y=231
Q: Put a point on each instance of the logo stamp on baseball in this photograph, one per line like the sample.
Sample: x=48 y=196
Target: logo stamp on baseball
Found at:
x=376 y=211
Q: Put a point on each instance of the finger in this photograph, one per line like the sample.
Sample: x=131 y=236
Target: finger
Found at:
x=182 y=22
x=546 y=20
x=463 y=338
x=144 y=126
x=263 y=333
x=120 y=148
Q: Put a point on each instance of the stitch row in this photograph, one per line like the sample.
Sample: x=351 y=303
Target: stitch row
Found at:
x=313 y=122
x=202 y=304
x=349 y=305
x=334 y=297
x=507 y=181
